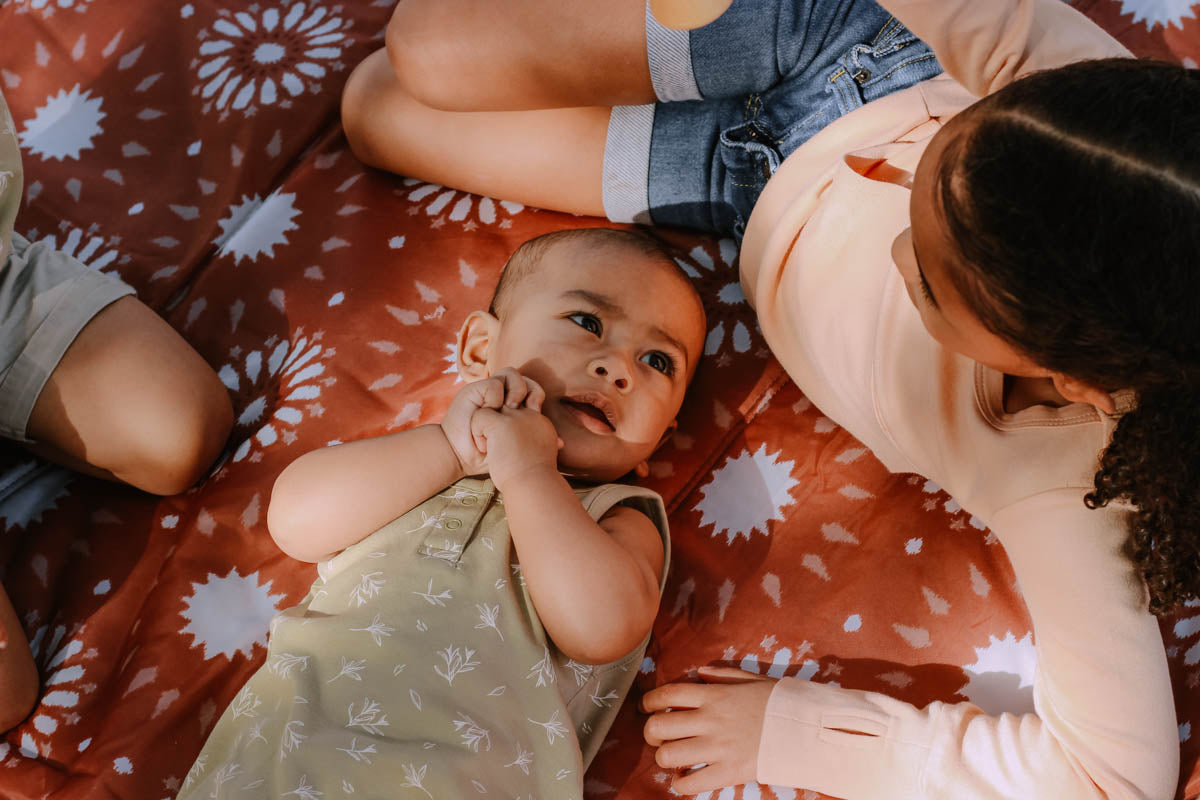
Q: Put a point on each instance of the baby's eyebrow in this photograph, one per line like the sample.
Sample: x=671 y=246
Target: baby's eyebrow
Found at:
x=600 y=301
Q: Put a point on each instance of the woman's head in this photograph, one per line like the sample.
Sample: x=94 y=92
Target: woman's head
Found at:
x=1061 y=216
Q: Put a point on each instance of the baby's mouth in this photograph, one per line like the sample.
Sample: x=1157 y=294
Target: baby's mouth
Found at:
x=589 y=415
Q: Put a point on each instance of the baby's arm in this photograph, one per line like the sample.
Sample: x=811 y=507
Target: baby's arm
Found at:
x=330 y=498
x=594 y=584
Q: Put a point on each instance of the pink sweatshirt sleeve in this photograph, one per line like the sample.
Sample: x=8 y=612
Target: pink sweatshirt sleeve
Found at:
x=987 y=44
x=1104 y=725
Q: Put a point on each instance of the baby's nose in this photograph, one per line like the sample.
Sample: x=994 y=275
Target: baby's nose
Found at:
x=602 y=370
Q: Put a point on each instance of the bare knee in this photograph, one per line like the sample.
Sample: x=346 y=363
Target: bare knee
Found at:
x=363 y=100
x=385 y=127
x=429 y=57
x=179 y=438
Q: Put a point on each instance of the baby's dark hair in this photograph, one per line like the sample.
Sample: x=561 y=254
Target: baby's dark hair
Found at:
x=1073 y=199
x=526 y=259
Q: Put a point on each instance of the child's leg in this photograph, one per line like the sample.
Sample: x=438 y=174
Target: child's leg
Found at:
x=771 y=73
x=93 y=379
x=131 y=400
x=550 y=158
x=18 y=673
x=463 y=55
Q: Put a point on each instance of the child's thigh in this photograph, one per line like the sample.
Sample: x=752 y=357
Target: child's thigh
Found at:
x=467 y=55
x=550 y=158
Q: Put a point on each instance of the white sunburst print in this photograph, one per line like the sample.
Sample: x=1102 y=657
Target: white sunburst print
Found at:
x=64 y=126
x=47 y=8
x=93 y=251
x=30 y=489
x=264 y=56
x=64 y=670
x=746 y=492
x=229 y=614
x=732 y=331
x=256 y=225
x=1153 y=13
x=1001 y=679
x=283 y=377
x=469 y=210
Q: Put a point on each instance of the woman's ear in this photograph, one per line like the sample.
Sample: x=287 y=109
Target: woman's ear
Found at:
x=474 y=349
x=1078 y=390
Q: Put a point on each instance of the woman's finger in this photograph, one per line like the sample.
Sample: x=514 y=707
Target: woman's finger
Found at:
x=707 y=778
x=729 y=675
x=667 y=725
x=675 y=695
x=685 y=753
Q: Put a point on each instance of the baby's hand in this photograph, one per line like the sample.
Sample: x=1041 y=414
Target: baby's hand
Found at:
x=516 y=440
x=507 y=388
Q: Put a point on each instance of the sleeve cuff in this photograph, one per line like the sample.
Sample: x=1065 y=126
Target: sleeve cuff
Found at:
x=841 y=742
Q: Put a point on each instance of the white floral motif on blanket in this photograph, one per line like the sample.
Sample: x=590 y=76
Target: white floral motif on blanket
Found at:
x=254 y=58
x=1153 y=13
x=299 y=365
x=469 y=210
x=47 y=8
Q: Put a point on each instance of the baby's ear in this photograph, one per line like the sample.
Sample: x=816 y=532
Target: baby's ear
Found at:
x=475 y=340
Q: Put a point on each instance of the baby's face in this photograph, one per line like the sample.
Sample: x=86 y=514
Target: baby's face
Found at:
x=613 y=337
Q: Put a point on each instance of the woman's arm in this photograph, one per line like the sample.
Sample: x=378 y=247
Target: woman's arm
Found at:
x=1104 y=725
x=594 y=584
x=987 y=44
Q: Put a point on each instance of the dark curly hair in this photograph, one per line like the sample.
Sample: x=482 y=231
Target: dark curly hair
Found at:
x=1073 y=199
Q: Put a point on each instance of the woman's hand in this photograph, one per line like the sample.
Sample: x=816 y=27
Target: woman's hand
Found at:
x=505 y=389
x=717 y=723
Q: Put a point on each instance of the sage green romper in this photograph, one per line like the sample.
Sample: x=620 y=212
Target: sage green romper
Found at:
x=416 y=667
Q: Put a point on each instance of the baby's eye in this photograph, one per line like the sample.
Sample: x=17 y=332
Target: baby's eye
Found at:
x=589 y=322
x=660 y=361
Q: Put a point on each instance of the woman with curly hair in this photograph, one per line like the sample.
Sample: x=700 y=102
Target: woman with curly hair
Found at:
x=999 y=294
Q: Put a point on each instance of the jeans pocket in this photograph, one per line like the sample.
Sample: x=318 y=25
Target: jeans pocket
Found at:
x=750 y=155
x=895 y=59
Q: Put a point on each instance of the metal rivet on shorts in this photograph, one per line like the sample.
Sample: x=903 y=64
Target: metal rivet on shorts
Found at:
x=862 y=76
x=454 y=524
x=470 y=500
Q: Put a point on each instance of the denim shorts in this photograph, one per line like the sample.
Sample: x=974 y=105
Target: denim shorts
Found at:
x=739 y=95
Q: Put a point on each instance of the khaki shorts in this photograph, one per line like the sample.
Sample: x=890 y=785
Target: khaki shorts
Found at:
x=46 y=298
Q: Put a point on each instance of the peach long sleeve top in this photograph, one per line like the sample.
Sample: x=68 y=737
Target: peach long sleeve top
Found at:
x=816 y=265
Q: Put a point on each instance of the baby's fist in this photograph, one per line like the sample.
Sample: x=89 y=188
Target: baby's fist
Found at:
x=515 y=440
x=506 y=388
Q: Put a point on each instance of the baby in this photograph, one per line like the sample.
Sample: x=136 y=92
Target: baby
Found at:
x=487 y=616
